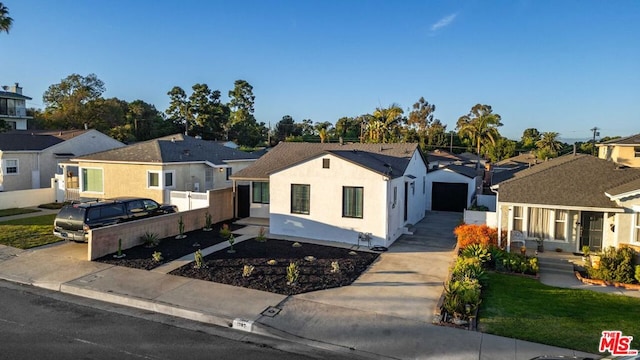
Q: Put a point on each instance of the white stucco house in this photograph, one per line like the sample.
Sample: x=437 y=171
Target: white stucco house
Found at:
x=336 y=192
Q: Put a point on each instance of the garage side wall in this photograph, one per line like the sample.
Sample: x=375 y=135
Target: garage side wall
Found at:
x=104 y=241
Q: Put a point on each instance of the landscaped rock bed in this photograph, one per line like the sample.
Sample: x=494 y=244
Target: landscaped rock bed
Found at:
x=314 y=263
x=141 y=257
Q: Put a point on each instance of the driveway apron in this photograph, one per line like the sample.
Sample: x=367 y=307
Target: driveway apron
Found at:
x=406 y=281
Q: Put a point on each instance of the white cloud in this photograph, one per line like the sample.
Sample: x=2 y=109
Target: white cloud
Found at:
x=445 y=21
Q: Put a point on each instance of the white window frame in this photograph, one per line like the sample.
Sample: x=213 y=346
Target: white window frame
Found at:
x=565 y=226
x=5 y=167
x=173 y=179
x=635 y=234
x=81 y=179
x=523 y=228
x=160 y=179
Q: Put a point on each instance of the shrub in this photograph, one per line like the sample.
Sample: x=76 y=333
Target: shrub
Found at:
x=518 y=263
x=150 y=239
x=616 y=265
x=461 y=297
x=199 y=259
x=247 y=270
x=468 y=268
x=292 y=273
x=157 y=256
x=225 y=232
x=637 y=274
x=478 y=251
x=468 y=234
x=261 y=234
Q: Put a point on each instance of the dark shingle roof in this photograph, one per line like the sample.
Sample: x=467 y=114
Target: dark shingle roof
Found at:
x=467 y=171
x=570 y=180
x=633 y=140
x=12 y=95
x=26 y=141
x=371 y=156
x=170 y=149
x=523 y=160
x=443 y=156
x=632 y=187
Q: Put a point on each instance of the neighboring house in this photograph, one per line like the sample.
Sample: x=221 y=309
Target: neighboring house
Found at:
x=441 y=158
x=622 y=151
x=452 y=188
x=572 y=201
x=153 y=168
x=13 y=108
x=30 y=159
x=336 y=191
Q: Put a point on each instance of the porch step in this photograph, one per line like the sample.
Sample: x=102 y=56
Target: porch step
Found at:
x=409 y=229
x=555 y=265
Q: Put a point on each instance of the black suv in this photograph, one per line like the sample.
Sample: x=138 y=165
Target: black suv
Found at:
x=74 y=220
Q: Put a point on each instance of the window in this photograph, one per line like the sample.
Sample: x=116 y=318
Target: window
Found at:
x=561 y=225
x=229 y=172
x=517 y=218
x=636 y=151
x=208 y=176
x=539 y=223
x=260 y=192
x=153 y=179
x=300 y=199
x=637 y=226
x=11 y=166
x=352 y=202
x=325 y=163
x=168 y=179
x=92 y=180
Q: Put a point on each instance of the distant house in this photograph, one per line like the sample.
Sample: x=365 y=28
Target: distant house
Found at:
x=442 y=158
x=570 y=202
x=13 y=108
x=453 y=187
x=155 y=167
x=30 y=159
x=623 y=151
x=336 y=192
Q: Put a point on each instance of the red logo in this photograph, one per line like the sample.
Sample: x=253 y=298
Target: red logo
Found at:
x=616 y=343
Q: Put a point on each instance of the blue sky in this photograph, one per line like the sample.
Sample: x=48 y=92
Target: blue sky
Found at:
x=563 y=66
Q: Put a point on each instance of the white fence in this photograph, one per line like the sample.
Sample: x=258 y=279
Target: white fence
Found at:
x=26 y=198
x=490 y=218
x=189 y=200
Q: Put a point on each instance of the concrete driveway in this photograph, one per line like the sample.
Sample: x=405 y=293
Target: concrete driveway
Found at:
x=406 y=281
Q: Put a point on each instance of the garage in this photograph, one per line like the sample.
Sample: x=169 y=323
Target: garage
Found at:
x=447 y=196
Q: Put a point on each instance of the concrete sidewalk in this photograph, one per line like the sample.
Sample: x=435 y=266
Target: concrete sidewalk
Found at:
x=386 y=313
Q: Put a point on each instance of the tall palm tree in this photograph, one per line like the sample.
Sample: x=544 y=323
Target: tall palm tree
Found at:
x=480 y=126
x=5 y=20
x=388 y=120
x=549 y=144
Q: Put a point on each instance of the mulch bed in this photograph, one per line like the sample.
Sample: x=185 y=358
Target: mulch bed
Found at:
x=141 y=257
x=227 y=268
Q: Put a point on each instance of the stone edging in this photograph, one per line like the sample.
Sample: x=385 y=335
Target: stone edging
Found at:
x=606 y=283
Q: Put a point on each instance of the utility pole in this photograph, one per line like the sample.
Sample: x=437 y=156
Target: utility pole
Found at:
x=595 y=133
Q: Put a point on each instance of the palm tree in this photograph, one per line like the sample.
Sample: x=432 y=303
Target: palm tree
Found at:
x=388 y=119
x=480 y=126
x=549 y=144
x=5 y=20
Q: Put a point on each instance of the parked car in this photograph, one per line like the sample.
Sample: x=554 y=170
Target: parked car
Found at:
x=74 y=220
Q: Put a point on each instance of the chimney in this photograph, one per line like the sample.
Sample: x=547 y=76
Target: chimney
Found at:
x=16 y=89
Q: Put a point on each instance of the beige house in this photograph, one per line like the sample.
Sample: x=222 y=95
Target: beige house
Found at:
x=154 y=168
x=622 y=151
x=30 y=159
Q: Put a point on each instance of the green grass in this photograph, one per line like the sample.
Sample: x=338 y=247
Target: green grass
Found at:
x=16 y=211
x=28 y=232
x=52 y=206
x=523 y=308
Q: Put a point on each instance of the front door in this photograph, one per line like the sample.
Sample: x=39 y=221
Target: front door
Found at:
x=591 y=225
x=243 y=201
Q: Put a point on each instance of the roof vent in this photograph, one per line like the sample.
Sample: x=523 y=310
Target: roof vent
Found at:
x=186 y=152
x=173 y=139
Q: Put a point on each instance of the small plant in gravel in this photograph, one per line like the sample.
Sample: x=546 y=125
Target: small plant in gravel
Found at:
x=247 y=270
x=199 y=260
x=293 y=272
x=231 y=241
x=150 y=239
x=157 y=256
x=296 y=244
x=225 y=232
x=119 y=254
x=261 y=234
x=207 y=222
x=272 y=262
x=181 y=234
x=335 y=267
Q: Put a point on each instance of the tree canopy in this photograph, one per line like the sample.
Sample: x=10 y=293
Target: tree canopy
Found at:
x=5 y=20
x=480 y=126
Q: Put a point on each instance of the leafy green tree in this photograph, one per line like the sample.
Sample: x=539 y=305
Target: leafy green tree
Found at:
x=548 y=145
x=348 y=128
x=502 y=149
x=480 y=126
x=179 y=110
x=5 y=20
x=529 y=138
x=324 y=130
x=384 y=125
x=147 y=122
x=66 y=102
x=244 y=128
x=285 y=128
x=105 y=114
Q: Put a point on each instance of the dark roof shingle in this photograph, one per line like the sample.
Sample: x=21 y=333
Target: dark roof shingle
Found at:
x=373 y=156
x=26 y=141
x=571 y=180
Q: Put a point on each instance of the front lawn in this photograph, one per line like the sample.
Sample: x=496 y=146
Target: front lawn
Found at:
x=28 y=232
x=523 y=308
x=16 y=211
